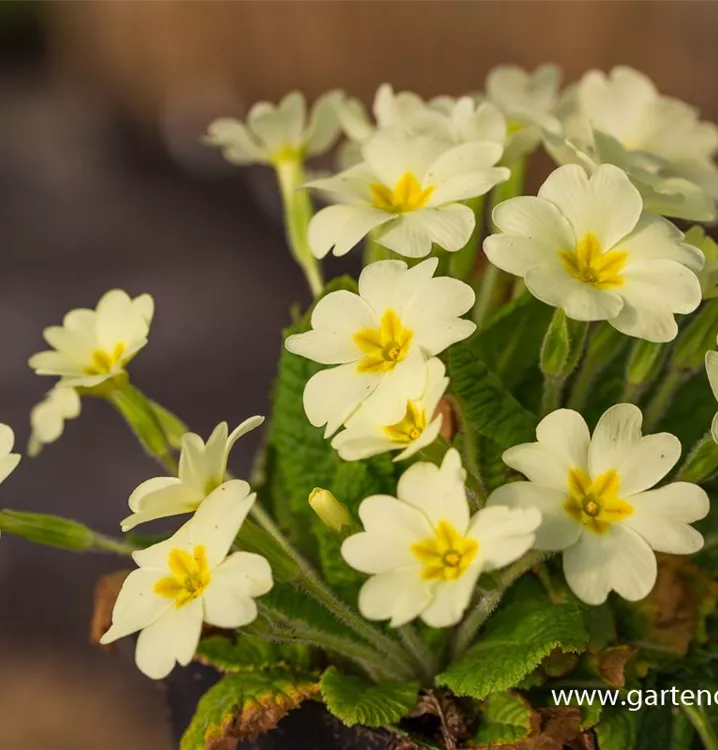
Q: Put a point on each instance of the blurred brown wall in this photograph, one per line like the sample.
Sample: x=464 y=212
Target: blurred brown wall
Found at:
x=142 y=52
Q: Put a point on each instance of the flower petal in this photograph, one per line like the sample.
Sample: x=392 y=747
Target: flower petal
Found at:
x=439 y=492
x=172 y=638
x=552 y=284
x=503 y=533
x=606 y=204
x=339 y=228
x=662 y=516
x=332 y=395
x=400 y=595
x=451 y=598
x=557 y=529
x=619 y=560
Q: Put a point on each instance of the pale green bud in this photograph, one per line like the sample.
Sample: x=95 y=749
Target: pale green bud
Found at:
x=644 y=362
x=52 y=531
x=331 y=512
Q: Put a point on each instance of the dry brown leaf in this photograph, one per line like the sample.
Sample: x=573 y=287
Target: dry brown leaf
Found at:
x=107 y=589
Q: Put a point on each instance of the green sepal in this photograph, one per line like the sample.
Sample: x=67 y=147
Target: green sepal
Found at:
x=52 y=531
x=644 y=362
x=696 y=338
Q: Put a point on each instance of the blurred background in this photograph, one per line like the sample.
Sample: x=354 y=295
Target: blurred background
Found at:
x=103 y=184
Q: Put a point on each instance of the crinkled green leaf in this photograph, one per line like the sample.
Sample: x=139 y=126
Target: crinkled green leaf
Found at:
x=505 y=718
x=491 y=409
x=247 y=653
x=243 y=705
x=510 y=343
x=517 y=638
x=355 y=701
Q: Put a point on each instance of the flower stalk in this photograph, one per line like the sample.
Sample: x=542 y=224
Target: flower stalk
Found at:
x=297 y=215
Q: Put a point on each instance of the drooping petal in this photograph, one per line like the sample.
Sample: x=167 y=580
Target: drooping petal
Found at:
x=161 y=497
x=662 y=516
x=619 y=560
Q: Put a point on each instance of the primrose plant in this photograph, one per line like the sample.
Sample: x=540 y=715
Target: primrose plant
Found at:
x=484 y=474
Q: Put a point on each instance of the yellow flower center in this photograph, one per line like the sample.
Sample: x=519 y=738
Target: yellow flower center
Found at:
x=408 y=195
x=596 y=504
x=410 y=427
x=385 y=346
x=591 y=266
x=102 y=362
x=446 y=555
x=190 y=576
x=514 y=126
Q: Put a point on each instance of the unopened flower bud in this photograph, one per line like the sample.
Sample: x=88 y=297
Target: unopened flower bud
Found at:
x=331 y=512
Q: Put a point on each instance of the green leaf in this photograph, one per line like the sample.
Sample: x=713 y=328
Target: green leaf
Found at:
x=248 y=653
x=622 y=729
x=243 y=705
x=518 y=637
x=618 y=729
x=510 y=343
x=354 y=701
x=505 y=719
x=142 y=418
x=174 y=428
x=485 y=402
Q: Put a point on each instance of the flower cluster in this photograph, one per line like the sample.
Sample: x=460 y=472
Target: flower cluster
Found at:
x=447 y=361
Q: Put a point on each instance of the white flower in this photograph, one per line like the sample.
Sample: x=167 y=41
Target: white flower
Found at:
x=279 y=134
x=187 y=580
x=424 y=551
x=708 y=276
x=410 y=189
x=8 y=459
x=528 y=102
x=381 y=339
x=47 y=419
x=712 y=372
x=597 y=505
x=584 y=244
x=659 y=141
x=202 y=468
x=93 y=346
x=368 y=433
x=458 y=121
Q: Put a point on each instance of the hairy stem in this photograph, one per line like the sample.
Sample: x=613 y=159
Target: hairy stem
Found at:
x=490 y=600
x=697 y=717
x=551 y=396
x=422 y=654
x=662 y=400
x=297 y=214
